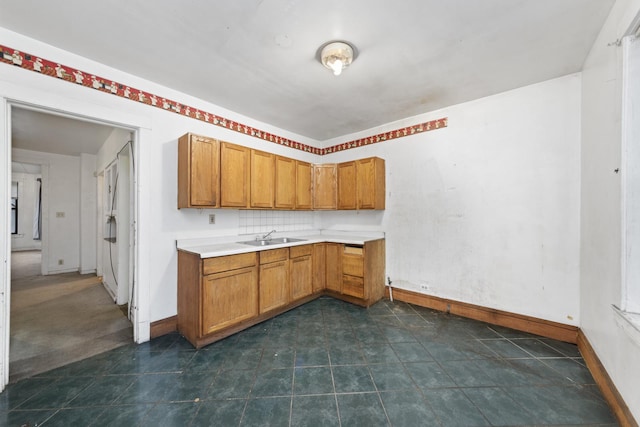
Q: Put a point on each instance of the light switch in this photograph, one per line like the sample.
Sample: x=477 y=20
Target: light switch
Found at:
x=59 y=214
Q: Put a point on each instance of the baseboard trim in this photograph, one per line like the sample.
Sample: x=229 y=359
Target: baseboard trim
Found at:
x=533 y=325
x=606 y=385
x=163 y=326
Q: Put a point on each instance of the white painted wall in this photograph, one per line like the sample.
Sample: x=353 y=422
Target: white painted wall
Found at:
x=486 y=211
x=60 y=194
x=88 y=206
x=27 y=194
x=601 y=246
x=160 y=222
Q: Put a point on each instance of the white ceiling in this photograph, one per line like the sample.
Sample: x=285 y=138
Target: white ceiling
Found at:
x=38 y=131
x=259 y=57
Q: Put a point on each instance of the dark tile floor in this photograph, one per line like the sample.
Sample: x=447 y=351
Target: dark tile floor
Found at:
x=323 y=364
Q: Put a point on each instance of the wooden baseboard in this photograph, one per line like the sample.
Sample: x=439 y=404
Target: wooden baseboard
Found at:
x=607 y=388
x=545 y=328
x=164 y=326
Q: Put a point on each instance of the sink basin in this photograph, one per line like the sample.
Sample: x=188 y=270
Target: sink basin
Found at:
x=276 y=241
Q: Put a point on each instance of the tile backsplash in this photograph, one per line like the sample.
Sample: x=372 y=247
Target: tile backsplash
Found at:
x=264 y=221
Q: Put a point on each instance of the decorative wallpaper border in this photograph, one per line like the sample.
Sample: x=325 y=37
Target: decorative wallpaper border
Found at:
x=72 y=75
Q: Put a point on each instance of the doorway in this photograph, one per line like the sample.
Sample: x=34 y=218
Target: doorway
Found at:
x=67 y=313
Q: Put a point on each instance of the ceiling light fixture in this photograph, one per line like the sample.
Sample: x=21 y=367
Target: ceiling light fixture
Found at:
x=337 y=56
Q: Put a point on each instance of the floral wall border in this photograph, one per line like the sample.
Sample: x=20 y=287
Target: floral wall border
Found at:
x=54 y=69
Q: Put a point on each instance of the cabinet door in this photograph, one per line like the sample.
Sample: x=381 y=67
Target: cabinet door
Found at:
x=324 y=186
x=262 y=179
x=304 y=199
x=234 y=175
x=228 y=298
x=301 y=277
x=274 y=285
x=334 y=266
x=371 y=183
x=347 y=193
x=285 y=183
x=198 y=171
x=319 y=267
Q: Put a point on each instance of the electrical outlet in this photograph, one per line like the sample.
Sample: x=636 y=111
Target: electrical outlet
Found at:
x=60 y=262
x=424 y=286
x=59 y=214
x=212 y=218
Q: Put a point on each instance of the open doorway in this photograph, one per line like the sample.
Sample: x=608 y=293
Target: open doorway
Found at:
x=68 y=311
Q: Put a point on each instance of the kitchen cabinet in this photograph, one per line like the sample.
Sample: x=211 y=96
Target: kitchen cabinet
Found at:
x=301 y=271
x=198 y=172
x=218 y=174
x=219 y=296
x=285 y=183
x=363 y=272
x=371 y=183
x=347 y=191
x=274 y=279
x=324 y=186
x=234 y=175
x=215 y=293
x=319 y=267
x=304 y=195
x=262 y=180
x=353 y=271
x=333 y=267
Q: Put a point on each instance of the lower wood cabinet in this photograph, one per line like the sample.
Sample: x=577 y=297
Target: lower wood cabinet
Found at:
x=333 y=267
x=301 y=271
x=215 y=294
x=223 y=295
x=228 y=298
x=274 y=279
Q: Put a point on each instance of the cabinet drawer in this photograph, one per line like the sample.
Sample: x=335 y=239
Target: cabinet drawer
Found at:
x=353 y=250
x=296 y=251
x=274 y=255
x=229 y=262
x=353 y=265
x=353 y=286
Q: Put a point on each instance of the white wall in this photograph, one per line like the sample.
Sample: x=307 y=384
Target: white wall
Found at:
x=60 y=195
x=486 y=211
x=160 y=222
x=27 y=194
x=88 y=206
x=601 y=232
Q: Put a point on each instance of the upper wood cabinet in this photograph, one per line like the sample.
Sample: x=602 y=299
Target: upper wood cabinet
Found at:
x=324 y=186
x=285 y=183
x=304 y=195
x=371 y=183
x=262 y=179
x=198 y=172
x=218 y=174
x=234 y=175
x=347 y=191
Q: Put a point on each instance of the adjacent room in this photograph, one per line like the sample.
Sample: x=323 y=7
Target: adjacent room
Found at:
x=320 y=213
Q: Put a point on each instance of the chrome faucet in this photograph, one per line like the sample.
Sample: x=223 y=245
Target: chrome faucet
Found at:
x=268 y=235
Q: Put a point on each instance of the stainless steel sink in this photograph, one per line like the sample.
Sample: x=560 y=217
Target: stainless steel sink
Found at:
x=269 y=242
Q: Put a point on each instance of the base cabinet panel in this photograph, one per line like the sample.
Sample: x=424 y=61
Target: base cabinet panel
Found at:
x=229 y=298
x=334 y=267
x=274 y=285
x=220 y=296
x=301 y=277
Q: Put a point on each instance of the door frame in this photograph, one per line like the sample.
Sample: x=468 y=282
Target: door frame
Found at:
x=75 y=109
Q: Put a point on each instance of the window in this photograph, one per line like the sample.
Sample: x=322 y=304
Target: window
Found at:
x=14 y=207
x=630 y=301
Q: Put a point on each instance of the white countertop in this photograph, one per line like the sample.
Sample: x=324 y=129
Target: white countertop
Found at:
x=228 y=245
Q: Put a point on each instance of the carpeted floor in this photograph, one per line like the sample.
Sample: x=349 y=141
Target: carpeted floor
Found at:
x=59 y=319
